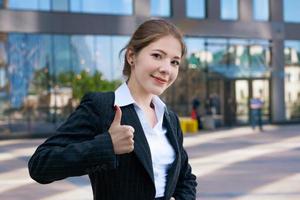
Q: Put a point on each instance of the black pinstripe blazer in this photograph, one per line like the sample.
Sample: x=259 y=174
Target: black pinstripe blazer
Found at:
x=82 y=145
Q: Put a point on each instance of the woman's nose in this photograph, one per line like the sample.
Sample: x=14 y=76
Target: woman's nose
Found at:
x=165 y=67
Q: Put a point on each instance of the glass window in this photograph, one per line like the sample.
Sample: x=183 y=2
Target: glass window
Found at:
x=60 y=5
x=29 y=4
x=292 y=52
x=261 y=10
x=216 y=59
x=229 y=9
x=118 y=42
x=48 y=74
x=195 y=8
x=160 y=8
x=292 y=82
x=259 y=58
x=291 y=11
x=117 y=7
x=196 y=55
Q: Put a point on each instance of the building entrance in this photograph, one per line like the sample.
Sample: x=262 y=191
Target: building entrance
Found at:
x=244 y=91
x=234 y=97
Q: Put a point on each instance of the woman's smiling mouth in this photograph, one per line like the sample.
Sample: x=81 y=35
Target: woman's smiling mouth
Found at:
x=159 y=80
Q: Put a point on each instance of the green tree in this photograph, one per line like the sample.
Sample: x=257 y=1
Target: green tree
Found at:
x=85 y=82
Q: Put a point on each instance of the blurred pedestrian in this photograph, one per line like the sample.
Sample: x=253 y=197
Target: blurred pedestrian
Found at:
x=195 y=112
x=256 y=105
x=127 y=141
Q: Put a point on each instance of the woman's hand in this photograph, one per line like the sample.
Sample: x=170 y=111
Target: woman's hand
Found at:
x=172 y=198
x=121 y=135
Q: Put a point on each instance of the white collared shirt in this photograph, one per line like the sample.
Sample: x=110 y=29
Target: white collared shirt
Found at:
x=162 y=153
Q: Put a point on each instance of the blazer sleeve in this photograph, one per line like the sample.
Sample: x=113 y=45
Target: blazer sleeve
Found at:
x=186 y=184
x=76 y=149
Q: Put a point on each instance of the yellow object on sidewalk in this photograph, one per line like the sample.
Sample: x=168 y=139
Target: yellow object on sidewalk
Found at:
x=188 y=125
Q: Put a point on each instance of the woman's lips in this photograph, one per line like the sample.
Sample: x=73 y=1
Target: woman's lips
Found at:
x=160 y=80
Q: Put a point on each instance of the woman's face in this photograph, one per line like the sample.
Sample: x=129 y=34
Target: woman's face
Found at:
x=156 y=66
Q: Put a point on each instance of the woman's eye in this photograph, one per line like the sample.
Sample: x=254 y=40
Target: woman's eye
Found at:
x=156 y=55
x=175 y=63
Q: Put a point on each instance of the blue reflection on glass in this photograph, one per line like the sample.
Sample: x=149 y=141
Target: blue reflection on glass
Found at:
x=103 y=55
x=60 y=54
x=261 y=10
x=23 y=54
x=118 y=42
x=229 y=9
x=60 y=5
x=194 y=44
x=118 y=7
x=29 y=4
x=195 y=8
x=160 y=8
x=291 y=11
x=292 y=52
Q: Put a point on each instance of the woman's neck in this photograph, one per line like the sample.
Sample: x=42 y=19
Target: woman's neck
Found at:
x=141 y=97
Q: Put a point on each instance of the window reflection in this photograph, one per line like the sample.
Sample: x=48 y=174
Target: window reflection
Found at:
x=229 y=9
x=238 y=58
x=195 y=8
x=117 y=7
x=48 y=74
x=291 y=11
x=29 y=4
x=60 y=5
x=261 y=10
x=292 y=81
x=161 y=8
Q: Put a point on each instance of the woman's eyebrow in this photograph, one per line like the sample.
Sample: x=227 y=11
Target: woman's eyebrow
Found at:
x=163 y=52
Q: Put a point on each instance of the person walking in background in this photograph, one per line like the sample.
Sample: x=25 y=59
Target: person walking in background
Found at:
x=127 y=141
x=256 y=105
x=195 y=112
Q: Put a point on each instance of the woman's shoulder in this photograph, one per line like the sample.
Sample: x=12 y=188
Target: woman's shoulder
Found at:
x=98 y=96
x=98 y=100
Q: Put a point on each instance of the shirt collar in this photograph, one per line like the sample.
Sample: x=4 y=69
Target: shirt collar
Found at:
x=123 y=97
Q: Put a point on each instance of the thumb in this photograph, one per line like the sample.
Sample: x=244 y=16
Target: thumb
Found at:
x=118 y=116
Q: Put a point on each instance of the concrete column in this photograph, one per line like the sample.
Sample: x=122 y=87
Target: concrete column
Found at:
x=178 y=9
x=213 y=9
x=276 y=10
x=245 y=10
x=141 y=9
x=277 y=82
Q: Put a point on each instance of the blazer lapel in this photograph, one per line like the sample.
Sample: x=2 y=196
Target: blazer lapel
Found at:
x=141 y=147
x=171 y=131
x=174 y=170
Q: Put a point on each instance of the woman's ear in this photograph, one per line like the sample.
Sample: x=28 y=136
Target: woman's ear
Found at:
x=130 y=56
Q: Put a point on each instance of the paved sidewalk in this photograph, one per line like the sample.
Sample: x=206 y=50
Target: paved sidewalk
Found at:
x=231 y=164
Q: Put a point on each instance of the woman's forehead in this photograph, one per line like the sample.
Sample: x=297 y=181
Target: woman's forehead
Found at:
x=168 y=44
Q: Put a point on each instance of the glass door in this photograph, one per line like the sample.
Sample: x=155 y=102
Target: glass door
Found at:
x=260 y=89
x=241 y=97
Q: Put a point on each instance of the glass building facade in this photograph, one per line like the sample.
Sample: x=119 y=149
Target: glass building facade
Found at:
x=117 y=7
x=291 y=11
x=47 y=65
x=229 y=9
x=292 y=79
x=196 y=9
x=261 y=10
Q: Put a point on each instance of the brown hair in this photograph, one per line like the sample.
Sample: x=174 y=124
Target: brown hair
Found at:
x=148 y=32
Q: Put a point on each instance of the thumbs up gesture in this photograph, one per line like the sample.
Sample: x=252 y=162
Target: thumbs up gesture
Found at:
x=121 y=135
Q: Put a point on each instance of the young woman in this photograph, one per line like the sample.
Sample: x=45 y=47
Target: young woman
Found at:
x=127 y=141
